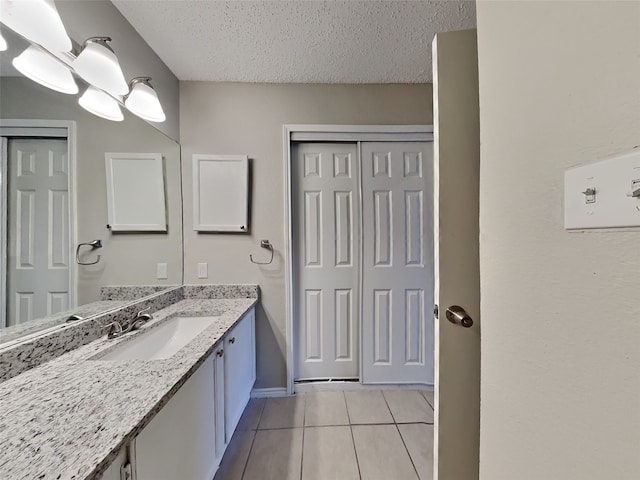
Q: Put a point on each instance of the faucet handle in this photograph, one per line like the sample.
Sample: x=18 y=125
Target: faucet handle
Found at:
x=141 y=312
x=114 y=327
x=115 y=324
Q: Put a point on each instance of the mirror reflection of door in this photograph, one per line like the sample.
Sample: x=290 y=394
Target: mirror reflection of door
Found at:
x=37 y=233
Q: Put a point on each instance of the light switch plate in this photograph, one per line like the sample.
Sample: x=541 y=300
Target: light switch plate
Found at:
x=161 y=273
x=203 y=270
x=612 y=204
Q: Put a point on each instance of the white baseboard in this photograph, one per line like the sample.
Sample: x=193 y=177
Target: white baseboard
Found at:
x=269 y=392
x=350 y=386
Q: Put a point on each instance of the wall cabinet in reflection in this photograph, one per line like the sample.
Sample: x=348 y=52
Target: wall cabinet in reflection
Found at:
x=135 y=192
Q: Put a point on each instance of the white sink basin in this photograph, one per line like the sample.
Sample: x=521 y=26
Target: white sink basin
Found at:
x=161 y=342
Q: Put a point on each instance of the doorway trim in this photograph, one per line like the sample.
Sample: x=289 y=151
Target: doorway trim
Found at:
x=15 y=128
x=326 y=133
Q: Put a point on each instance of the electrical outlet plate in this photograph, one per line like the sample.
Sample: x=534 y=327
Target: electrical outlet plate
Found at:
x=203 y=270
x=162 y=271
x=612 y=204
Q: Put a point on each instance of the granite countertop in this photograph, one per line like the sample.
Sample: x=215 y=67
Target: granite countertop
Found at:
x=88 y=310
x=69 y=418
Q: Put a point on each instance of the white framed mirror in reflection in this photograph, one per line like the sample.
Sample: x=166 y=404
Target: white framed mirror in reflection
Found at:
x=57 y=253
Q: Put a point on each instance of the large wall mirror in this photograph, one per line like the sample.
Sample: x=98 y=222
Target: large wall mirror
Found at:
x=51 y=203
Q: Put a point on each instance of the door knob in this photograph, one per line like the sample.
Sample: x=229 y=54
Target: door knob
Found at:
x=457 y=315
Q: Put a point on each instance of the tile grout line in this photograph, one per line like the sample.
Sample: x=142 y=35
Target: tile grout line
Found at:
x=246 y=462
x=388 y=407
x=253 y=440
x=400 y=433
x=340 y=425
x=414 y=421
x=304 y=421
x=426 y=399
x=407 y=450
x=353 y=440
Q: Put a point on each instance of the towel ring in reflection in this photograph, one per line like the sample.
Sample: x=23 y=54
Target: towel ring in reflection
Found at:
x=94 y=244
x=264 y=244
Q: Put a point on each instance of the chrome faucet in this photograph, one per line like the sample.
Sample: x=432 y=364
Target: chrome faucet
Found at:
x=141 y=318
x=116 y=329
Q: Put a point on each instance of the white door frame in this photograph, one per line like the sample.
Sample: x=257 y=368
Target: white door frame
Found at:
x=327 y=133
x=12 y=128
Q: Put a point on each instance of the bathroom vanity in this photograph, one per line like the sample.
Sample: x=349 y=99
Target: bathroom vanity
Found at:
x=106 y=406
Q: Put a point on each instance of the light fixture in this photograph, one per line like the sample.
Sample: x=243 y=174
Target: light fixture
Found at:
x=142 y=100
x=46 y=70
x=98 y=65
x=101 y=104
x=47 y=62
x=37 y=21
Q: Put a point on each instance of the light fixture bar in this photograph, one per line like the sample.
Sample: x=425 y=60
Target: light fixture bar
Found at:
x=52 y=59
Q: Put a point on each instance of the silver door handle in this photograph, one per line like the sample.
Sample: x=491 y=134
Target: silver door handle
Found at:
x=458 y=316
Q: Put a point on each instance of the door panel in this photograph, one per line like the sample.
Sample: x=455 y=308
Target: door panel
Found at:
x=38 y=221
x=180 y=441
x=457 y=163
x=397 y=285
x=326 y=226
x=239 y=365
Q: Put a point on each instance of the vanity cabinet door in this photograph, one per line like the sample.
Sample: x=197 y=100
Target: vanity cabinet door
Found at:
x=240 y=370
x=180 y=441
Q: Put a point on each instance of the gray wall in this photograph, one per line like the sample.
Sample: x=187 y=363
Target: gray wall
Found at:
x=559 y=86
x=228 y=118
x=91 y=18
x=127 y=259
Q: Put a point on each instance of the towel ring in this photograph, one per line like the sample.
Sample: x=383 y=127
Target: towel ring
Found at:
x=94 y=244
x=264 y=244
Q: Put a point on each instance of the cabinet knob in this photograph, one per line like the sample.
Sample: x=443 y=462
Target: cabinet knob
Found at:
x=220 y=353
x=232 y=340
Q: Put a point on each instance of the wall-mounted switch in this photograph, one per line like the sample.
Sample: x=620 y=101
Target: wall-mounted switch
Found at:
x=203 y=270
x=162 y=271
x=635 y=189
x=603 y=194
x=589 y=195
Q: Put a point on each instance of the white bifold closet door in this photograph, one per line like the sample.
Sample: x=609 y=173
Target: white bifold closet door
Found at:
x=38 y=226
x=326 y=229
x=380 y=278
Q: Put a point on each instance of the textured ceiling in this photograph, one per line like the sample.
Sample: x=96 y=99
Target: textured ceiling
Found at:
x=303 y=41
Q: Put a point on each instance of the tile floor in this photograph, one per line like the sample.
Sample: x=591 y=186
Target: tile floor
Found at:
x=364 y=434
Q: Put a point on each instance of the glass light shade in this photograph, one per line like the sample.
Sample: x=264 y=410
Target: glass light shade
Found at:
x=101 y=104
x=99 y=66
x=38 y=21
x=143 y=101
x=42 y=68
x=3 y=44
